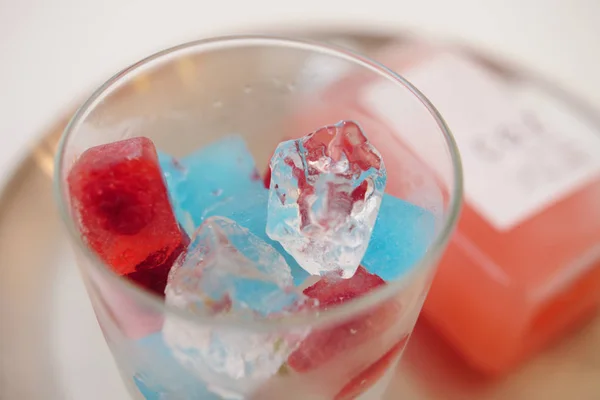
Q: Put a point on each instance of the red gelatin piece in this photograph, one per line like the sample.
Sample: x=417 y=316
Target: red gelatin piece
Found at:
x=152 y=273
x=333 y=291
x=267 y=174
x=267 y=178
x=121 y=202
x=372 y=374
x=324 y=345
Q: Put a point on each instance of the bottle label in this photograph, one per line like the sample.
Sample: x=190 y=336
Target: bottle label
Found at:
x=522 y=149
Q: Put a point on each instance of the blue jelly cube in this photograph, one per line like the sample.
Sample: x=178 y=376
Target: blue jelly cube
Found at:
x=223 y=171
x=400 y=238
x=162 y=377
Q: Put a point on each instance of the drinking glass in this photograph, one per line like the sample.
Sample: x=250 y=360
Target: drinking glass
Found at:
x=266 y=89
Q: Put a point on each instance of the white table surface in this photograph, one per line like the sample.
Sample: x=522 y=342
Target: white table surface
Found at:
x=53 y=52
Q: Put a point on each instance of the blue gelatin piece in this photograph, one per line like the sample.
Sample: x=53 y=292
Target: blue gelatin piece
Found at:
x=220 y=172
x=400 y=238
x=170 y=380
x=148 y=393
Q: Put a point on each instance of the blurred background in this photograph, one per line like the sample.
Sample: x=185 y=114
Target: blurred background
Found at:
x=53 y=54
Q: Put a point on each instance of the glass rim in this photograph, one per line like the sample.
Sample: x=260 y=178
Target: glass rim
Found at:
x=300 y=319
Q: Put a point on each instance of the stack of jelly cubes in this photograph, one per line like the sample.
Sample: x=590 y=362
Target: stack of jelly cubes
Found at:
x=211 y=236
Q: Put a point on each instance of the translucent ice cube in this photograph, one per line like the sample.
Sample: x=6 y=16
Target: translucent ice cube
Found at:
x=228 y=270
x=324 y=196
x=251 y=213
x=228 y=265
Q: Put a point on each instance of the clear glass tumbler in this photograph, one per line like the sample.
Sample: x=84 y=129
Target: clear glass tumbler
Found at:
x=264 y=89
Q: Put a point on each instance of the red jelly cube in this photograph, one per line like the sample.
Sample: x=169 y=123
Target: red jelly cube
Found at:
x=324 y=345
x=267 y=178
x=153 y=272
x=121 y=202
x=370 y=376
x=332 y=291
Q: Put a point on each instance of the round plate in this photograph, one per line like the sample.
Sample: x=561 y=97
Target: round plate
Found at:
x=51 y=346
